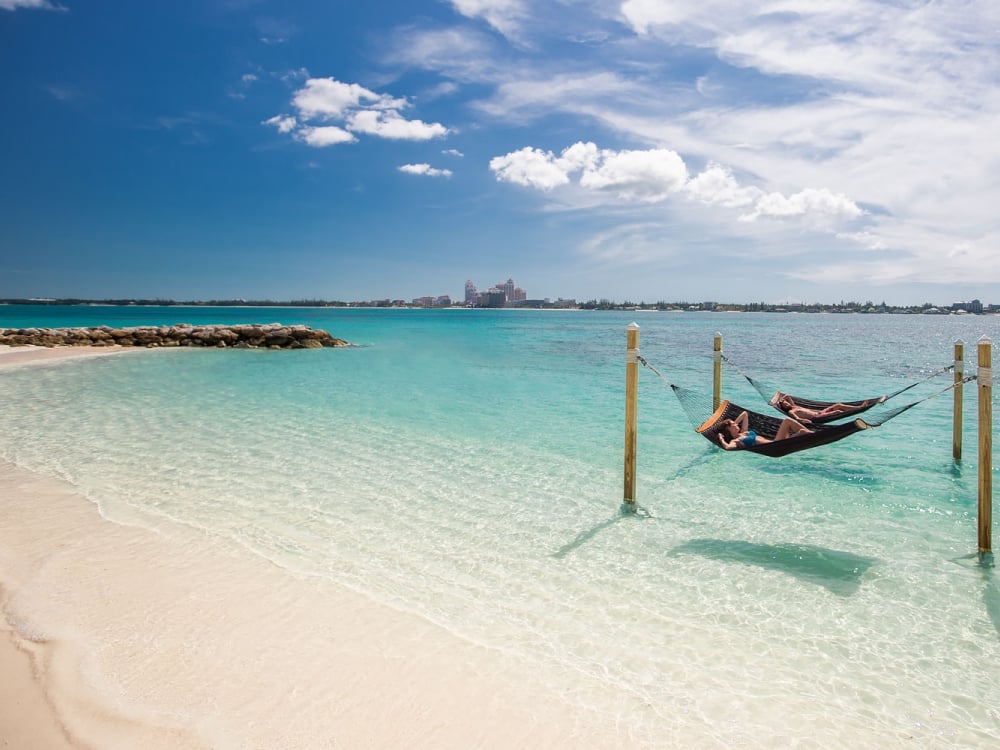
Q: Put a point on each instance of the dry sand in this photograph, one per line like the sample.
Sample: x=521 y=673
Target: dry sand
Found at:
x=25 y=355
x=117 y=634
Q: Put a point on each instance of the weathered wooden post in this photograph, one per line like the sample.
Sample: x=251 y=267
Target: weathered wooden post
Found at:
x=717 y=373
x=631 y=409
x=956 y=431
x=985 y=381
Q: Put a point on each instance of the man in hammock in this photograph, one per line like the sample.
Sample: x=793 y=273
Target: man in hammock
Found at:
x=735 y=434
x=806 y=415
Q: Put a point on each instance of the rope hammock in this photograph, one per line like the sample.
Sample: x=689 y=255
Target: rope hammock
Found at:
x=814 y=412
x=765 y=425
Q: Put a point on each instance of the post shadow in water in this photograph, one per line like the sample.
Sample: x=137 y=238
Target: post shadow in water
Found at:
x=583 y=537
x=991 y=595
x=837 y=571
x=984 y=562
x=991 y=587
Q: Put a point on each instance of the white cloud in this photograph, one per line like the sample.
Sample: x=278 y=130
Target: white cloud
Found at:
x=579 y=156
x=358 y=110
x=645 y=176
x=819 y=205
x=329 y=98
x=284 y=123
x=453 y=152
x=640 y=175
x=388 y=124
x=530 y=167
x=424 y=169
x=717 y=186
x=324 y=135
x=654 y=175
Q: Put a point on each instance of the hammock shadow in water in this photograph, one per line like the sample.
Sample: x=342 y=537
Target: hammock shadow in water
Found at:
x=585 y=536
x=836 y=472
x=838 y=572
x=710 y=453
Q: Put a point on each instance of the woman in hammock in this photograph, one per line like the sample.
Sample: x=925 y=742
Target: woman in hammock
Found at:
x=736 y=433
x=806 y=415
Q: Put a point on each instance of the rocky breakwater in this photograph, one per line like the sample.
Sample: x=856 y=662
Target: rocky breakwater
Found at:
x=249 y=336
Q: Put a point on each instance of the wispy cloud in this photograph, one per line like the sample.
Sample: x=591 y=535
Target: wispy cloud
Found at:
x=870 y=123
x=63 y=93
x=506 y=16
x=274 y=30
x=31 y=5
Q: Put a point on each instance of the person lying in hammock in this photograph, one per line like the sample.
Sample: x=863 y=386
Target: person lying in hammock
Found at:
x=806 y=415
x=735 y=434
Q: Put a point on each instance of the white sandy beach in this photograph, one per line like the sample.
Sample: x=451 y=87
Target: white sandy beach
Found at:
x=116 y=635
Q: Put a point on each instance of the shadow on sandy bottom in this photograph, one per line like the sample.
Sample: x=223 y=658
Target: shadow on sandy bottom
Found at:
x=625 y=513
x=837 y=571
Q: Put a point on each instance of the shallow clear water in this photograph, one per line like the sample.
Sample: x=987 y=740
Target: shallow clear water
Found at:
x=467 y=466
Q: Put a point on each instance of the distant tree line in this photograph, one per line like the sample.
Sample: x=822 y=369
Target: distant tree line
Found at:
x=186 y=303
x=868 y=306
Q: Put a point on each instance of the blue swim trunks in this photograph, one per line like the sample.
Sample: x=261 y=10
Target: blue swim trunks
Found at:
x=750 y=439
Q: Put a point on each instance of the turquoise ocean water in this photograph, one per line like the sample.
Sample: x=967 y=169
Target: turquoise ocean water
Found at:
x=467 y=465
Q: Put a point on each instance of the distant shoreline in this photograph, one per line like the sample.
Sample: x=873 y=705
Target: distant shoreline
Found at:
x=974 y=307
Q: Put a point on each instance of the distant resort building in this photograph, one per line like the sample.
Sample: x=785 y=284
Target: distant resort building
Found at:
x=443 y=300
x=503 y=294
x=491 y=298
x=975 y=306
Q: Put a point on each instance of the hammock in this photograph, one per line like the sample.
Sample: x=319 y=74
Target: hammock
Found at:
x=821 y=412
x=829 y=411
x=767 y=426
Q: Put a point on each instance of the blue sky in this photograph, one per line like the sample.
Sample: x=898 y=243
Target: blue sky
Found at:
x=636 y=150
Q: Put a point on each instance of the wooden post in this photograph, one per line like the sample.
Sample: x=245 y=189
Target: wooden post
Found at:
x=985 y=382
x=956 y=431
x=631 y=408
x=717 y=373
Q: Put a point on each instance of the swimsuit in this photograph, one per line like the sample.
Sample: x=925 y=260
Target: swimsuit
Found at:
x=750 y=439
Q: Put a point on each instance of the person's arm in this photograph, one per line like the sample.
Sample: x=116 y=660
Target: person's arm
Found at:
x=743 y=421
x=729 y=445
